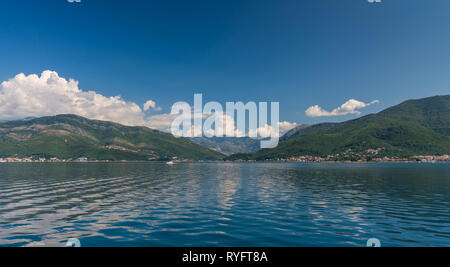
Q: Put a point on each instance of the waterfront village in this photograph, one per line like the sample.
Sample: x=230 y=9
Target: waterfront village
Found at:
x=33 y=159
x=331 y=158
x=370 y=155
x=82 y=159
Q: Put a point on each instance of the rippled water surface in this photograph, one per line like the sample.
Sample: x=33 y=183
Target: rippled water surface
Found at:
x=224 y=204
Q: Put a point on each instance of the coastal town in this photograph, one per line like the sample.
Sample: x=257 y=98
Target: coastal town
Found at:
x=304 y=159
x=332 y=158
x=370 y=155
x=42 y=160
x=84 y=159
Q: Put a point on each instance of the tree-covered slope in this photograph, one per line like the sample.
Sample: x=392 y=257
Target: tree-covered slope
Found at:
x=229 y=145
x=413 y=127
x=70 y=136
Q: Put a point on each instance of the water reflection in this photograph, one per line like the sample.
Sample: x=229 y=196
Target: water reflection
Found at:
x=224 y=204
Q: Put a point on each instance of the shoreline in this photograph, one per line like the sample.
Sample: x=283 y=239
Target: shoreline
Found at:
x=219 y=161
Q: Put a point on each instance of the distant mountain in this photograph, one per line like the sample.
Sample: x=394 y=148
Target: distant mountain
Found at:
x=235 y=145
x=414 y=127
x=70 y=136
x=228 y=145
x=22 y=119
x=29 y=118
x=294 y=131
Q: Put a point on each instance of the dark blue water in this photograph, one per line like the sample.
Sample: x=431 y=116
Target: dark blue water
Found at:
x=224 y=204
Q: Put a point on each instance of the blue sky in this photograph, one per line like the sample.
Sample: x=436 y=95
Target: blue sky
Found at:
x=300 y=53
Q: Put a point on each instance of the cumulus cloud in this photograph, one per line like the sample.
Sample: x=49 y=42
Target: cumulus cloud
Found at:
x=352 y=106
x=268 y=130
x=74 y=1
x=286 y=126
x=161 y=122
x=49 y=95
x=150 y=104
x=227 y=126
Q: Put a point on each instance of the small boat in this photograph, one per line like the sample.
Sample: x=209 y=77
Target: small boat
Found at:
x=170 y=163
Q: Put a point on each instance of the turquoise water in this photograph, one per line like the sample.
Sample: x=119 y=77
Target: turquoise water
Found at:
x=224 y=204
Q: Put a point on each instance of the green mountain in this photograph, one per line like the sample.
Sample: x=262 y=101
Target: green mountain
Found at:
x=235 y=145
x=414 y=127
x=70 y=136
x=229 y=145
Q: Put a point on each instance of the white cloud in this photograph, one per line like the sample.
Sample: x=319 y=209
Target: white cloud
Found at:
x=49 y=95
x=268 y=130
x=226 y=125
x=74 y=1
x=286 y=126
x=161 y=122
x=352 y=106
x=150 y=104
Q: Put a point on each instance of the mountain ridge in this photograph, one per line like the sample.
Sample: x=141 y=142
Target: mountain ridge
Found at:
x=419 y=126
x=71 y=136
x=229 y=145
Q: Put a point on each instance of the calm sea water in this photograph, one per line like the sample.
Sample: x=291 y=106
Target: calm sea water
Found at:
x=224 y=204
